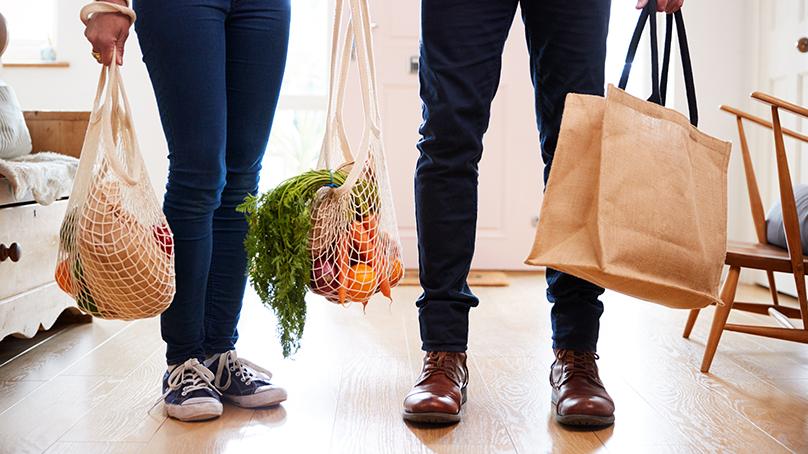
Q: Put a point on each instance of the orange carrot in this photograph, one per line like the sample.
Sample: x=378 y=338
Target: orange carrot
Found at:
x=384 y=286
x=343 y=264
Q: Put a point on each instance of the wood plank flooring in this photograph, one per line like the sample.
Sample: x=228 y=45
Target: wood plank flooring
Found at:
x=89 y=388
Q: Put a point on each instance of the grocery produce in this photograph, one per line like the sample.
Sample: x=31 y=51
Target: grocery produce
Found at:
x=278 y=258
x=364 y=236
x=63 y=277
x=162 y=233
x=325 y=277
x=361 y=282
x=397 y=272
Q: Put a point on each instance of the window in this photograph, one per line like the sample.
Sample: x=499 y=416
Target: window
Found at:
x=31 y=27
x=297 y=132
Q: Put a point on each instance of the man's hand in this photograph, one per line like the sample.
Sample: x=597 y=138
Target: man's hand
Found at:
x=663 y=6
x=107 y=32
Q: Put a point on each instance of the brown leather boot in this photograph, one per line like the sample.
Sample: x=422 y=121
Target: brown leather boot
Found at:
x=440 y=391
x=579 y=397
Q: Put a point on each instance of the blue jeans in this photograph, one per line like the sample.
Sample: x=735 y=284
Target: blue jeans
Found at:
x=461 y=50
x=216 y=67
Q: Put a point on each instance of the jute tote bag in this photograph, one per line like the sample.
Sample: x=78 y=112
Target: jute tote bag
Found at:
x=637 y=196
x=354 y=240
x=116 y=255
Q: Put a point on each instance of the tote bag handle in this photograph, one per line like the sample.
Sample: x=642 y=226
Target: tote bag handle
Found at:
x=659 y=87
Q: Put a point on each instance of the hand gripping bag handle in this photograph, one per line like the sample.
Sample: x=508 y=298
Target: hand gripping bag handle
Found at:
x=659 y=87
x=114 y=118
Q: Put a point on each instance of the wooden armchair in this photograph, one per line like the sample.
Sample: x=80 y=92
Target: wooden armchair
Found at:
x=761 y=255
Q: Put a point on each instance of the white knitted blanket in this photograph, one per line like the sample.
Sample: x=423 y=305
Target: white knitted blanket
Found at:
x=47 y=176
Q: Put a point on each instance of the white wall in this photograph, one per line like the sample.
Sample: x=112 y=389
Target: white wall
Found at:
x=73 y=88
x=724 y=51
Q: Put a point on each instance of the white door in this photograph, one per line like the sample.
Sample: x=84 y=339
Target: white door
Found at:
x=783 y=73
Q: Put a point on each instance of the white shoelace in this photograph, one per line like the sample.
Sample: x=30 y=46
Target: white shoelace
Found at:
x=190 y=376
x=245 y=370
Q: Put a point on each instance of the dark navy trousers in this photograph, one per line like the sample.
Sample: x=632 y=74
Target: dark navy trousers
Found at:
x=216 y=67
x=461 y=53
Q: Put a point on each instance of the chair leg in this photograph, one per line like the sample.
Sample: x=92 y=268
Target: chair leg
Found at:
x=691 y=321
x=773 y=288
x=720 y=318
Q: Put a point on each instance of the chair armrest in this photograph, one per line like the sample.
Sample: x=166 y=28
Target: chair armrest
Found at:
x=777 y=102
x=765 y=123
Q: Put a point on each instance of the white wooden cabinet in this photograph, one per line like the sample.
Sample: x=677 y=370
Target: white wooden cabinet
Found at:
x=29 y=297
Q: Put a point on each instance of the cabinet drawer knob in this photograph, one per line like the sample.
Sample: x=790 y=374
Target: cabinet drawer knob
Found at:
x=12 y=252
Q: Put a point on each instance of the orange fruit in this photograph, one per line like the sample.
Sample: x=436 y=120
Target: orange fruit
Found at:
x=360 y=282
x=396 y=273
x=63 y=277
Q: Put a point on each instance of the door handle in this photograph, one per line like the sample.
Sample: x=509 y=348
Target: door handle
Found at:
x=802 y=44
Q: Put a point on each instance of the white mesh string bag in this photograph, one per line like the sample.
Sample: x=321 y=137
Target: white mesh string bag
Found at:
x=354 y=238
x=116 y=255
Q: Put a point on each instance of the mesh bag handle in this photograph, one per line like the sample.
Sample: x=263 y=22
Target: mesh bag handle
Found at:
x=115 y=116
x=358 y=31
x=335 y=135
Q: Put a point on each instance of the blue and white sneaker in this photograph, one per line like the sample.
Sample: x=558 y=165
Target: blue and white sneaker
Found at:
x=242 y=382
x=189 y=394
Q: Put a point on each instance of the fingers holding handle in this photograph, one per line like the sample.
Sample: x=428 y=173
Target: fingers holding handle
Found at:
x=107 y=28
x=663 y=6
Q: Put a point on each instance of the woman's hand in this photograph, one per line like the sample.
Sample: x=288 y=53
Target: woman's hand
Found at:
x=107 y=32
x=663 y=6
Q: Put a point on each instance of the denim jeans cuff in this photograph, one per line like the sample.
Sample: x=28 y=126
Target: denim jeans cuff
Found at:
x=427 y=347
x=575 y=346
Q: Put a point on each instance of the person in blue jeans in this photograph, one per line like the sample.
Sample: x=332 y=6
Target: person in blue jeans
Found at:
x=461 y=51
x=216 y=67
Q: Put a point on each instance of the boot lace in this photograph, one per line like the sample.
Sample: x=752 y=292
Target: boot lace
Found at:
x=446 y=363
x=580 y=364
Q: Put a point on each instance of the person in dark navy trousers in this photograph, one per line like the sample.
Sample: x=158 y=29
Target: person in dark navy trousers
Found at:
x=461 y=50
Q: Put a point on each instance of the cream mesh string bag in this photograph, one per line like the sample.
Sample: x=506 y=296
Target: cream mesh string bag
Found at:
x=354 y=239
x=116 y=255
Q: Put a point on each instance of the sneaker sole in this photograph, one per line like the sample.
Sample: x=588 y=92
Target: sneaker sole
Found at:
x=269 y=398
x=436 y=418
x=195 y=412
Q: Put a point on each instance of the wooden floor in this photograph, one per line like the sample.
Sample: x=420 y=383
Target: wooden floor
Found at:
x=89 y=388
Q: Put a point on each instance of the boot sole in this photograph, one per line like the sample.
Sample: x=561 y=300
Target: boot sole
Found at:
x=581 y=420
x=585 y=420
x=436 y=418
